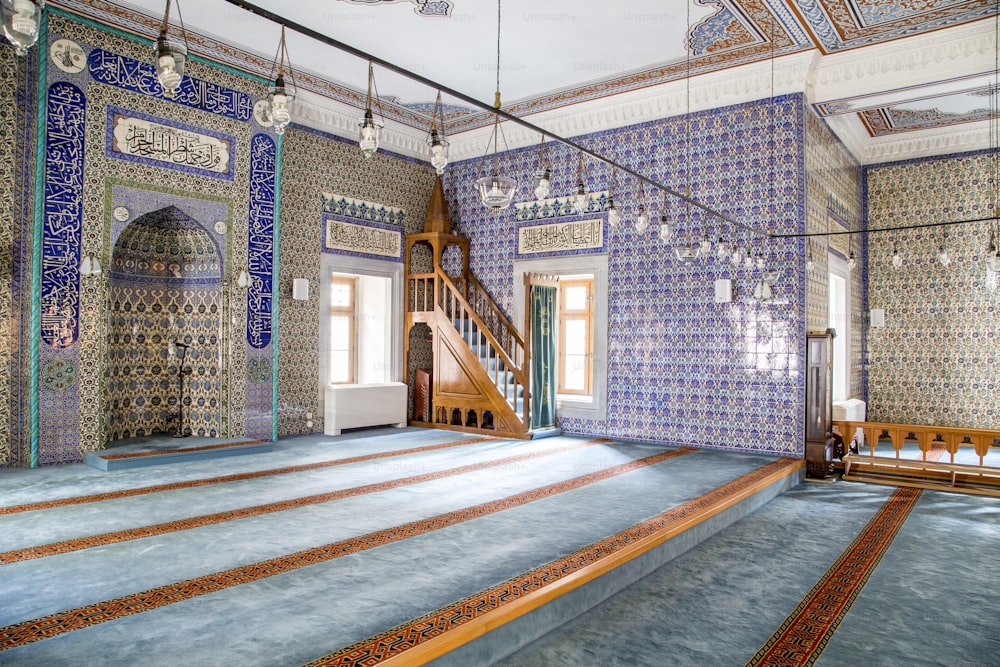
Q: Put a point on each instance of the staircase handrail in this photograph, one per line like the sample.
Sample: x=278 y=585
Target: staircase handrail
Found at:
x=518 y=370
x=497 y=314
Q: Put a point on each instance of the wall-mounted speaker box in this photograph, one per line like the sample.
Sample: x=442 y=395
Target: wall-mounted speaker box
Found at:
x=300 y=289
x=877 y=317
x=723 y=290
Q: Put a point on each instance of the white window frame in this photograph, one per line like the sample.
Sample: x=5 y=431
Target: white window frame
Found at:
x=842 y=343
x=596 y=405
x=360 y=266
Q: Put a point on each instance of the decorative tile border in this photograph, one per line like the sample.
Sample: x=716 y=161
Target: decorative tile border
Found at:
x=348 y=207
x=582 y=236
x=140 y=77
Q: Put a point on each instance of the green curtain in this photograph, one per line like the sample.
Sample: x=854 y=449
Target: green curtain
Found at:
x=543 y=357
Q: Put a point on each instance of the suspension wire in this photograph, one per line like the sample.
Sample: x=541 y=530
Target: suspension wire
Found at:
x=482 y=106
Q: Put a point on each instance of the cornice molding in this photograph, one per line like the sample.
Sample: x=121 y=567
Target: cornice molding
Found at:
x=971 y=137
x=941 y=55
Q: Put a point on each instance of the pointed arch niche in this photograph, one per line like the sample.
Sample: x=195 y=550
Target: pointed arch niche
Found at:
x=165 y=291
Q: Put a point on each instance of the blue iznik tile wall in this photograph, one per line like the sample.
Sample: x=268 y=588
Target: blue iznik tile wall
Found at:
x=936 y=360
x=682 y=368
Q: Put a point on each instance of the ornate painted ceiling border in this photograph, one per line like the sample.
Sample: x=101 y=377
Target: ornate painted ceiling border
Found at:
x=840 y=24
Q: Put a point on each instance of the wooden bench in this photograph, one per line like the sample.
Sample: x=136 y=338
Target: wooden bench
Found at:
x=980 y=480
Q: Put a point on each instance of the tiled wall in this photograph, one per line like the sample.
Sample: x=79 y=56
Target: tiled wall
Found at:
x=936 y=361
x=314 y=163
x=833 y=196
x=8 y=184
x=683 y=369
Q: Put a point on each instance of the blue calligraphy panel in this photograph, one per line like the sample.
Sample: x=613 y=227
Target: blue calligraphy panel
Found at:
x=63 y=226
x=140 y=77
x=260 y=240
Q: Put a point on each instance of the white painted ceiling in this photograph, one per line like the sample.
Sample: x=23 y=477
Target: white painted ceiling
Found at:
x=893 y=78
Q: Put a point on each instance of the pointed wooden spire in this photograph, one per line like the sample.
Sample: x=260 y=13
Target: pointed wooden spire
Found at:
x=437 y=219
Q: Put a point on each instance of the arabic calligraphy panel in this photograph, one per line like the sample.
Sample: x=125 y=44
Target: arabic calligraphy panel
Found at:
x=137 y=137
x=368 y=240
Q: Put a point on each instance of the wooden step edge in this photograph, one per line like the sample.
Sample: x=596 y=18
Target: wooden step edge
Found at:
x=499 y=433
x=444 y=643
x=961 y=487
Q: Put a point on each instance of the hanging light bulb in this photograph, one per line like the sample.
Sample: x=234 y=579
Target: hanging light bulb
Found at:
x=369 y=126
x=897 y=259
x=543 y=175
x=761 y=262
x=581 y=200
x=495 y=191
x=943 y=256
x=543 y=183
x=748 y=260
x=281 y=95
x=737 y=257
x=852 y=261
x=20 y=23
x=642 y=219
x=688 y=251
x=810 y=262
x=614 y=215
x=171 y=55
x=706 y=245
x=438 y=144
x=665 y=230
x=722 y=249
x=993 y=254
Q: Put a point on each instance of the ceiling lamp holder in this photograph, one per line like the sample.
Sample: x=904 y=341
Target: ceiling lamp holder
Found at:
x=543 y=175
x=369 y=127
x=614 y=215
x=281 y=94
x=436 y=139
x=171 y=55
x=496 y=192
x=21 y=22
x=642 y=219
x=581 y=200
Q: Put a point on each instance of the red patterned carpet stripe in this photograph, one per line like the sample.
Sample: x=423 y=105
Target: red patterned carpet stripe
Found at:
x=805 y=633
x=393 y=643
x=86 y=616
x=182 y=450
x=104 y=539
x=237 y=477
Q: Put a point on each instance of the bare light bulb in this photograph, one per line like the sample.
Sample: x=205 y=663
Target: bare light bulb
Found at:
x=943 y=256
x=580 y=200
x=897 y=259
x=642 y=220
x=543 y=183
x=614 y=216
x=664 y=229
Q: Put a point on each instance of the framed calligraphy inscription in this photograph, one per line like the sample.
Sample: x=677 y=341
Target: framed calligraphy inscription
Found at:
x=370 y=239
x=561 y=238
x=137 y=137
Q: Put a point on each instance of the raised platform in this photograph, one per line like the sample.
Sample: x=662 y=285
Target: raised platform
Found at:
x=513 y=539
x=157 y=450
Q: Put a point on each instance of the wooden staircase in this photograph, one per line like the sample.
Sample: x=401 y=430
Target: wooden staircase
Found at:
x=479 y=379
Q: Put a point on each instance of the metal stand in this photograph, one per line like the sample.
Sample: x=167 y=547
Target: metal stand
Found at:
x=181 y=372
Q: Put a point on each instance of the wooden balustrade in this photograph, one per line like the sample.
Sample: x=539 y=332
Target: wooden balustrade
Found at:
x=980 y=479
x=926 y=437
